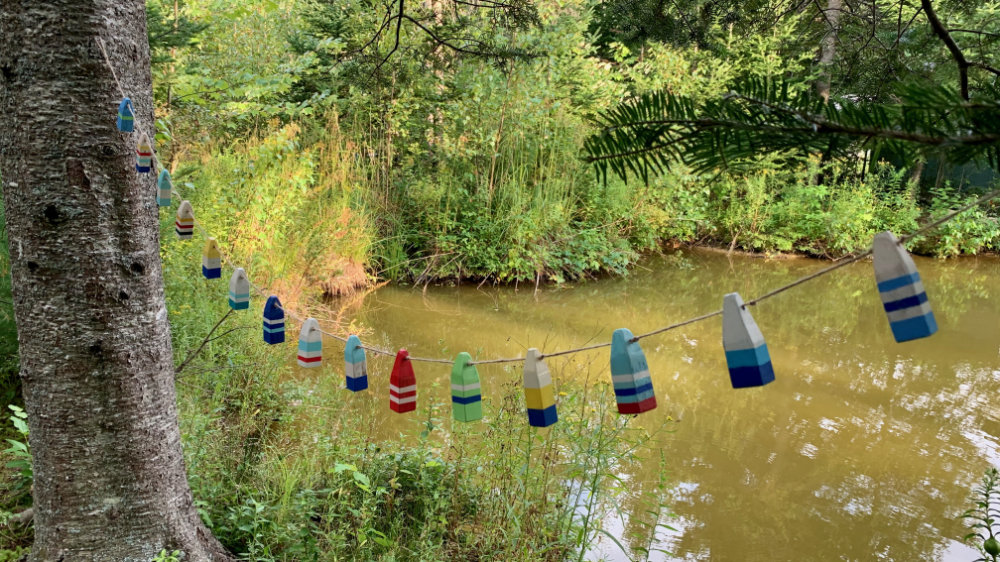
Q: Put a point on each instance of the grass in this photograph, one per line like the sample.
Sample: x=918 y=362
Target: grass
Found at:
x=285 y=468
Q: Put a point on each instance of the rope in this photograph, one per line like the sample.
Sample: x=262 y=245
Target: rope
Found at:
x=853 y=259
x=107 y=59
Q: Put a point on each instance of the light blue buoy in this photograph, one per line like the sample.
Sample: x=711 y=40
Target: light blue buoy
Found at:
x=164 y=185
x=630 y=375
x=355 y=365
x=126 y=120
x=239 y=290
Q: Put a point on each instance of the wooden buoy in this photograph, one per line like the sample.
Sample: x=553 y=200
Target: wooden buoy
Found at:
x=630 y=375
x=164 y=185
x=126 y=119
x=274 y=321
x=402 y=385
x=901 y=290
x=239 y=290
x=538 y=392
x=185 y=221
x=143 y=155
x=747 y=357
x=310 y=344
x=355 y=365
x=466 y=393
x=211 y=260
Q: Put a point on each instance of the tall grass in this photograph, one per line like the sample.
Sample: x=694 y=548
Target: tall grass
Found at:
x=286 y=468
x=288 y=212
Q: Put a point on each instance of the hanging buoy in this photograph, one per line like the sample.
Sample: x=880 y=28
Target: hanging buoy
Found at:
x=185 y=221
x=239 y=290
x=164 y=185
x=211 y=260
x=274 y=321
x=630 y=375
x=538 y=392
x=902 y=291
x=402 y=385
x=747 y=357
x=355 y=365
x=310 y=344
x=143 y=155
x=126 y=120
x=466 y=393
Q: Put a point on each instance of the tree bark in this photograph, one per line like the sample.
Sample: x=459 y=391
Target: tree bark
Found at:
x=828 y=47
x=96 y=361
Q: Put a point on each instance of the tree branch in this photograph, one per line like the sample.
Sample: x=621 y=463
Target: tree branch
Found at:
x=942 y=32
x=446 y=42
x=395 y=47
x=975 y=31
x=985 y=67
x=204 y=342
x=378 y=33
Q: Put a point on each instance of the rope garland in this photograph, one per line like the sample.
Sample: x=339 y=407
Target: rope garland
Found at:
x=262 y=291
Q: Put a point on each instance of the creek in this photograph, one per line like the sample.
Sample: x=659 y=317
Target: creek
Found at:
x=862 y=449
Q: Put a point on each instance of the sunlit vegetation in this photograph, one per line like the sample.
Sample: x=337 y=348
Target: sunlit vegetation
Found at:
x=334 y=145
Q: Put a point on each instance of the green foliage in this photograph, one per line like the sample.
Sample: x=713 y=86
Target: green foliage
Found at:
x=19 y=451
x=16 y=533
x=15 y=554
x=169 y=30
x=289 y=214
x=971 y=232
x=638 y=23
x=9 y=364
x=473 y=165
x=909 y=116
x=173 y=556
x=760 y=116
x=770 y=208
x=983 y=516
x=444 y=163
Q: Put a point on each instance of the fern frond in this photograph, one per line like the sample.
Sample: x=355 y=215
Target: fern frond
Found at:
x=649 y=133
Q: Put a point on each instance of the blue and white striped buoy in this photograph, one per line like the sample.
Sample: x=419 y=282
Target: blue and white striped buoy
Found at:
x=274 y=321
x=126 y=120
x=239 y=290
x=355 y=365
x=747 y=356
x=901 y=290
x=630 y=375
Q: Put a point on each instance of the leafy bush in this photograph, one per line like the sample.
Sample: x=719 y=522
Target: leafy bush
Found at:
x=971 y=232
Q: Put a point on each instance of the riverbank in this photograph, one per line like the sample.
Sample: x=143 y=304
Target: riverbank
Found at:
x=302 y=212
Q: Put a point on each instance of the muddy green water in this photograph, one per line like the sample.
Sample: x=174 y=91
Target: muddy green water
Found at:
x=863 y=449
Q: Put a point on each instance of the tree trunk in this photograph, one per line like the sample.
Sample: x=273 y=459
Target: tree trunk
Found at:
x=96 y=362
x=828 y=47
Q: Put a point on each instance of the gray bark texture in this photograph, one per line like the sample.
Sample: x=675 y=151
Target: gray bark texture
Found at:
x=828 y=46
x=96 y=361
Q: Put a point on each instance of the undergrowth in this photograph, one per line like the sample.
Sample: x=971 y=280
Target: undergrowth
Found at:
x=291 y=467
x=303 y=211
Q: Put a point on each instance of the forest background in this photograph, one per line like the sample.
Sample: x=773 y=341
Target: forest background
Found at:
x=332 y=147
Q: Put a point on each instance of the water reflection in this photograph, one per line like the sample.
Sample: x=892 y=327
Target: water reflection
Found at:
x=862 y=449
